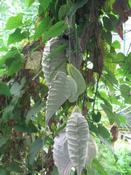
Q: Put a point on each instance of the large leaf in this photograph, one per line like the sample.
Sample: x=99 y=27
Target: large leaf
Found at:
x=54 y=58
x=57 y=95
x=14 y=21
x=61 y=155
x=77 y=76
x=77 y=138
x=73 y=87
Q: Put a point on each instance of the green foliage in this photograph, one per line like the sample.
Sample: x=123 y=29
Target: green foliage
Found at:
x=121 y=165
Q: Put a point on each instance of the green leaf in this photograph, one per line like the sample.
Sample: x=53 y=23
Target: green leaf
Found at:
x=102 y=131
x=63 y=11
x=108 y=4
x=55 y=30
x=107 y=23
x=109 y=112
x=116 y=45
x=4 y=89
x=42 y=27
x=12 y=60
x=111 y=78
x=29 y=2
x=96 y=117
x=14 y=21
x=107 y=35
x=76 y=6
x=34 y=149
x=59 y=49
x=17 y=36
x=78 y=77
x=119 y=58
x=126 y=93
x=45 y=4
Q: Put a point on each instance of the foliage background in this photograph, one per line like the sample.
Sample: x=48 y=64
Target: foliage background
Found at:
x=25 y=139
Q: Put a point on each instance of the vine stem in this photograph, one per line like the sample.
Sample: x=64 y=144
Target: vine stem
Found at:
x=96 y=91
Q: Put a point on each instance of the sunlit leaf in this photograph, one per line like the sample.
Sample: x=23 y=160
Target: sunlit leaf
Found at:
x=14 y=21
